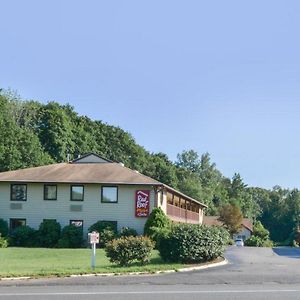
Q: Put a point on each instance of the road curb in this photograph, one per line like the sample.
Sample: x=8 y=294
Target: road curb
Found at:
x=189 y=269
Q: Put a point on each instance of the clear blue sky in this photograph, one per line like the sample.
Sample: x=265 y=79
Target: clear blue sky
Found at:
x=215 y=76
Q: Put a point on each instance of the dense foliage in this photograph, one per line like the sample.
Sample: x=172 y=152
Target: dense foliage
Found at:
x=3 y=242
x=190 y=243
x=23 y=236
x=34 y=134
x=260 y=237
x=156 y=219
x=107 y=231
x=49 y=233
x=126 y=250
x=3 y=228
x=71 y=237
x=231 y=216
x=127 y=231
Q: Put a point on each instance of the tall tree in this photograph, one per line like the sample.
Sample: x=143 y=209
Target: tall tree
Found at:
x=231 y=216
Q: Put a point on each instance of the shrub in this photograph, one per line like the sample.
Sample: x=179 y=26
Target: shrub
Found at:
x=71 y=237
x=24 y=236
x=49 y=233
x=107 y=231
x=260 y=231
x=126 y=250
x=106 y=236
x=190 y=243
x=157 y=225
x=3 y=228
x=260 y=237
x=254 y=241
x=231 y=242
x=101 y=225
x=3 y=242
x=127 y=231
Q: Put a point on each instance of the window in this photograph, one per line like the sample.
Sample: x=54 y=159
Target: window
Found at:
x=77 y=192
x=77 y=223
x=50 y=192
x=109 y=194
x=14 y=223
x=18 y=192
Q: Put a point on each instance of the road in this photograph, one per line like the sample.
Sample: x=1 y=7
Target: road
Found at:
x=252 y=273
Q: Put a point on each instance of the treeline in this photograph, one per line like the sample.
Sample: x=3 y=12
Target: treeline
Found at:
x=34 y=134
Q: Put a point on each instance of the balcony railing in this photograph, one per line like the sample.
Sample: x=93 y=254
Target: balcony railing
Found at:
x=178 y=214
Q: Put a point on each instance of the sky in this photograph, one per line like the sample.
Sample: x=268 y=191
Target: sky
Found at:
x=215 y=76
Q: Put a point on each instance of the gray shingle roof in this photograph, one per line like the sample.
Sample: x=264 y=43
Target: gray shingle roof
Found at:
x=112 y=173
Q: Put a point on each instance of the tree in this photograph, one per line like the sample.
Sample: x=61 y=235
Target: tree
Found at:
x=231 y=216
x=189 y=159
x=260 y=231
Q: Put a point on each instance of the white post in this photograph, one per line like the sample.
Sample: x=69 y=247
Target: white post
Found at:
x=93 y=256
x=93 y=239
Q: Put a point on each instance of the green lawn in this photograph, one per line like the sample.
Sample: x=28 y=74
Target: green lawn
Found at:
x=46 y=262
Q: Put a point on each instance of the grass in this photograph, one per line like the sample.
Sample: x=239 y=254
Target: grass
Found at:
x=37 y=262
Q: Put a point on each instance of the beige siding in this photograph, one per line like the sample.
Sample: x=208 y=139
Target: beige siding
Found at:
x=162 y=200
x=35 y=209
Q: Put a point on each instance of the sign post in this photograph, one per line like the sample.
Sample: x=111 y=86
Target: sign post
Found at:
x=93 y=239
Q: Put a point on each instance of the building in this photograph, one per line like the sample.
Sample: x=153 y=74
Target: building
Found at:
x=244 y=233
x=87 y=190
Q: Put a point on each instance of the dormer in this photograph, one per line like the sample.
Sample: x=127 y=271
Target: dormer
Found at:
x=90 y=158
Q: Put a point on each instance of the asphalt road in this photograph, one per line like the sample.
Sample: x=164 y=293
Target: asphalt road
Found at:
x=252 y=273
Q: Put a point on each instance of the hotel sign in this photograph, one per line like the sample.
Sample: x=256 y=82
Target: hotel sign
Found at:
x=142 y=203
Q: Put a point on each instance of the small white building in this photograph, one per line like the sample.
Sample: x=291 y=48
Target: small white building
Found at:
x=244 y=233
x=87 y=190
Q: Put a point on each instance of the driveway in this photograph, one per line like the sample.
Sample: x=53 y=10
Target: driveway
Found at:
x=252 y=273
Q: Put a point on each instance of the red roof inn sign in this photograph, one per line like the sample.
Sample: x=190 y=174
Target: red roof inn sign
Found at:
x=142 y=203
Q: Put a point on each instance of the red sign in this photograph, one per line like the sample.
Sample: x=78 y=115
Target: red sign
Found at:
x=142 y=203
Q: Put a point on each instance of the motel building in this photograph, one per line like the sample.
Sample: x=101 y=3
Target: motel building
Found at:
x=89 y=189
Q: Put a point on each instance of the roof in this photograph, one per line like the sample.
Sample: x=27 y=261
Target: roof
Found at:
x=214 y=220
x=90 y=168
x=108 y=173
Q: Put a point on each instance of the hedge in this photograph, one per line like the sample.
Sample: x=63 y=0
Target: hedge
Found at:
x=71 y=237
x=107 y=231
x=190 y=243
x=126 y=250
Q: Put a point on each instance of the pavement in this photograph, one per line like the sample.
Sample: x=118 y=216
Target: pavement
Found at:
x=252 y=273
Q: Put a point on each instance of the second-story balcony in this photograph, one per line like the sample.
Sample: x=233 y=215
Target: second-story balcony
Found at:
x=182 y=215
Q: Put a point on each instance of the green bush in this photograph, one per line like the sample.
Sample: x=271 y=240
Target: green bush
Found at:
x=231 y=242
x=71 y=237
x=106 y=236
x=126 y=250
x=24 y=236
x=3 y=228
x=49 y=233
x=260 y=237
x=3 y=242
x=101 y=225
x=107 y=231
x=127 y=231
x=260 y=231
x=157 y=225
x=255 y=241
x=191 y=243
